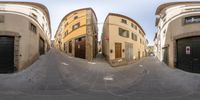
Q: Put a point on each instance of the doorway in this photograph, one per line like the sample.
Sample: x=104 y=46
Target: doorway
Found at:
x=41 y=46
x=188 y=55
x=80 y=47
x=129 y=51
x=118 y=50
x=7 y=54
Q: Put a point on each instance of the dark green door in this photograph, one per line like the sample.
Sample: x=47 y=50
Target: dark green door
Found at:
x=6 y=54
x=188 y=55
x=196 y=54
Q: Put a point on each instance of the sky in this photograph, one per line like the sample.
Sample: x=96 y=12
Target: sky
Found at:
x=142 y=11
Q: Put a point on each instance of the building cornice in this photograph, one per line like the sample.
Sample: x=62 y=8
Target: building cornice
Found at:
x=166 y=5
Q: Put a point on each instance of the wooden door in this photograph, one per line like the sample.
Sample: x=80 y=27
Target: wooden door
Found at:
x=80 y=48
x=118 y=50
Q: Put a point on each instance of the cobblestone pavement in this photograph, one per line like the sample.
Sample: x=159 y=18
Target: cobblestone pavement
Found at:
x=56 y=76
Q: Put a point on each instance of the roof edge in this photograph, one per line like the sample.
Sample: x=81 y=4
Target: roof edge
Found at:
x=120 y=15
x=88 y=8
x=165 y=5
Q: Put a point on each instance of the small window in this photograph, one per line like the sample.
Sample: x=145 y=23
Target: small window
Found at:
x=75 y=26
x=33 y=28
x=2 y=19
x=123 y=32
x=135 y=27
x=132 y=25
x=66 y=24
x=66 y=32
x=76 y=17
x=164 y=19
x=192 y=19
x=164 y=31
x=42 y=25
x=134 y=37
x=140 y=32
x=124 y=21
x=34 y=15
x=34 y=10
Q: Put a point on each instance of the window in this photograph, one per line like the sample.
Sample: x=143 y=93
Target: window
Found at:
x=123 y=32
x=66 y=24
x=34 y=10
x=135 y=27
x=164 y=31
x=132 y=25
x=43 y=17
x=124 y=21
x=76 y=26
x=76 y=17
x=164 y=19
x=192 y=19
x=2 y=18
x=163 y=15
x=134 y=36
x=140 y=32
x=43 y=26
x=34 y=15
x=66 y=32
x=33 y=28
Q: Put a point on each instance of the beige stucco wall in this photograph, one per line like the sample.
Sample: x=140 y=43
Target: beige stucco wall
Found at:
x=88 y=28
x=178 y=30
x=111 y=29
x=171 y=18
x=29 y=41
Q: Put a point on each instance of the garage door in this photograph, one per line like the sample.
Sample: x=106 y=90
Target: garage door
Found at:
x=188 y=55
x=129 y=51
x=6 y=54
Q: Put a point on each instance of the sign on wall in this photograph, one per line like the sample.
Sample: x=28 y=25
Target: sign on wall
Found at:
x=188 y=50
